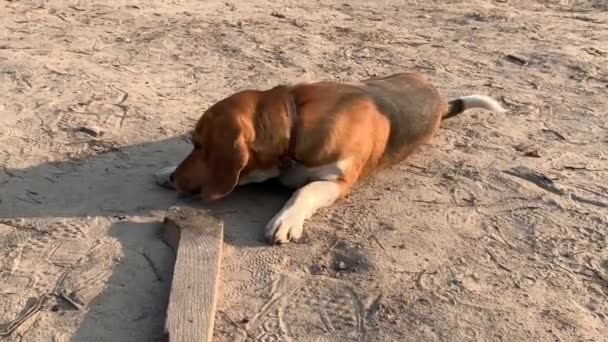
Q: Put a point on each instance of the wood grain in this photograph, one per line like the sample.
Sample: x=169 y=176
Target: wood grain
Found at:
x=196 y=236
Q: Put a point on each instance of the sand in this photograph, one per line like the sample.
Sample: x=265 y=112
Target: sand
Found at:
x=495 y=231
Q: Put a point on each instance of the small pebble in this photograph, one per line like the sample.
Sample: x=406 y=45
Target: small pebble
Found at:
x=517 y=59
x=120 y=217
x=93 y=131
x=532 y=153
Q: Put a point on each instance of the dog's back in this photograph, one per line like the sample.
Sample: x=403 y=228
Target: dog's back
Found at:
x=413 y=106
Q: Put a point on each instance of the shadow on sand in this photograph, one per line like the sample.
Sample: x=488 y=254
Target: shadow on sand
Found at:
x=119 y=185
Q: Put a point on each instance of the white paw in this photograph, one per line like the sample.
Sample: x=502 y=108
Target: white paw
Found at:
x=286 y=226
x=163 y=175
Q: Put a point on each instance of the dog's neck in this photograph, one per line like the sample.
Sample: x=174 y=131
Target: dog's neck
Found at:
x=288 y=159
x=273 y=126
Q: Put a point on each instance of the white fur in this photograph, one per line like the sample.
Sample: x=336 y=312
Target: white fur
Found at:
x=300 y=175
x=288 y=223
x=481 y=101
x=259 y=176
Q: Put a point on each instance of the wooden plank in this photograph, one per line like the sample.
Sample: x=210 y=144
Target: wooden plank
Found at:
x=196 y=236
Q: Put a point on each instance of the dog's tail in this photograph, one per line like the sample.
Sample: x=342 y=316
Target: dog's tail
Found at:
x=464 y=103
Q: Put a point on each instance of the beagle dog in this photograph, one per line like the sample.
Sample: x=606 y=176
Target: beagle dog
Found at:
x=319 y=138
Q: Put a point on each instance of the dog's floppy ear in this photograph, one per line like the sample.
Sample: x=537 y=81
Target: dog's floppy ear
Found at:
x=227 y=158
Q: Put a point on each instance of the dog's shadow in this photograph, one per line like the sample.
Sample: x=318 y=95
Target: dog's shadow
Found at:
x=119 y=184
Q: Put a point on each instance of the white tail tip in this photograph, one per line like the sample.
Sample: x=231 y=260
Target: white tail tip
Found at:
x=481 y=101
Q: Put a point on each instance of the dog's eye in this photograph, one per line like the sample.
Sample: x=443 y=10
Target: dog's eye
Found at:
x=197 y=146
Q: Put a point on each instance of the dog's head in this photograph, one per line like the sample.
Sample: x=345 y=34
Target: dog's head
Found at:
x=243 y=132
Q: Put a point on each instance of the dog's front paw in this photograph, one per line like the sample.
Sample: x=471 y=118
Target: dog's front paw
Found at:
x=163 y=177
x=286 y=226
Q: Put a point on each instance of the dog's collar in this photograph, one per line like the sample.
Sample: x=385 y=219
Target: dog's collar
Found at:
x=288 y=160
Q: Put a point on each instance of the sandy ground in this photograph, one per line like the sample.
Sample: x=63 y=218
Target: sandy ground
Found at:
x=497 y=231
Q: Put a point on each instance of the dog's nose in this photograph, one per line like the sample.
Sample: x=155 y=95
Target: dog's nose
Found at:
x=172 y=177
